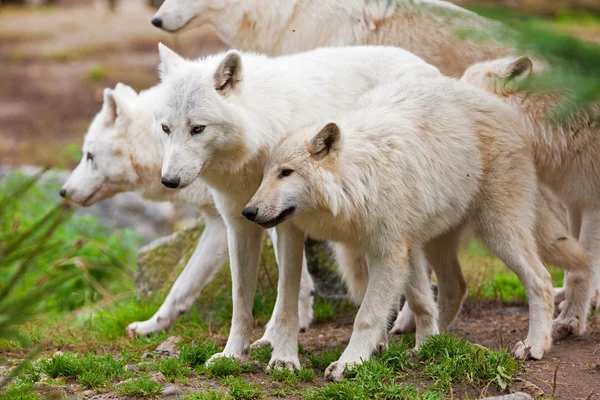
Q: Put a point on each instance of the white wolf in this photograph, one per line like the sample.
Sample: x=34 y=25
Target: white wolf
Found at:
x=220 y=116
x=398 y=177
x=566 y=153
x=121 y=154
x=428 y=28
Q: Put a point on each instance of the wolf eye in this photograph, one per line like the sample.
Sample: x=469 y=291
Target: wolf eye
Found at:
x=166 y=129
x=196 y=129
x=89 y=156
x=285 y=172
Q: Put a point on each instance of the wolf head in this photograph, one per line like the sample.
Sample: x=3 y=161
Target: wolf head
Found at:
x=299 y=176
x=197 y=117
x=174 y=15
x=105 y=168
x=501 y=77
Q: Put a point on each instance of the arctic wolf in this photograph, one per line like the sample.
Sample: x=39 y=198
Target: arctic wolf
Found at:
x=120 y=154
x=220 y=116
x=398 y=177
x=428 y=28
x=565 y=153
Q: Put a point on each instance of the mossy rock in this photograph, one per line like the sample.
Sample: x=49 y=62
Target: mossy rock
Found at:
x=161 y=261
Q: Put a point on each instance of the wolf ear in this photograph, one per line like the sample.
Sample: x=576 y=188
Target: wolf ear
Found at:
x=114 y=105
x=517 y=68
x=168 y=60
x=125 y=91
x=229 y=73
x=326 y=141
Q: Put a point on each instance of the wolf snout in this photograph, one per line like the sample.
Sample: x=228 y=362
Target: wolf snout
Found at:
x=157 y=22
x=63 y=192
x=170 y=182
x=250 y=213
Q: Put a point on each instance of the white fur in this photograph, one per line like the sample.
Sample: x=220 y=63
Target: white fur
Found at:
x=246 y=103
x=126 y=157
x=566 y=157
x=276 y=27
x=415 y=160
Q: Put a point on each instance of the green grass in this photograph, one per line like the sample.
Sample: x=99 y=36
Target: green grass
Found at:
x=448 y=359
x=205 y=395
x=223 y=367
x=242 y=390
x=173 y=368
x=325 y=310
x=142 y=386
x=91 y=371
x=195 y=354
x=97 y=73
x=261 y=354
x=322 y=360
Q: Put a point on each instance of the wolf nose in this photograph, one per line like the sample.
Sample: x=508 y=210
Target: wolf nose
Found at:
x=170 y=183
x=157 y=22
x=250 y=213
x=63 y=192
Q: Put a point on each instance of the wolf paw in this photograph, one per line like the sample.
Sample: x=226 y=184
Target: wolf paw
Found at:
x=336 y=370
x=566 y=326
x=291 y=364
x=263 y=341
x=404 y=323
x=145 y=328
x=524 y=351
x=218 y=356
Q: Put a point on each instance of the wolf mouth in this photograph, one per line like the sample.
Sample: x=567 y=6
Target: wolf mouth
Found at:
x=279 y=219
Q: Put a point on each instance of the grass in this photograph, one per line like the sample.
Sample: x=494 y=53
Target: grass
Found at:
x=322 y=360
x=242 y=390
x=223 y=367
x=196 y=354
x=97 y=73
x=173 y=368
x=449 y=360
x=142 y=386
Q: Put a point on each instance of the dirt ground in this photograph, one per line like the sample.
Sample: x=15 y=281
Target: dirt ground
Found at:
x=570 y=371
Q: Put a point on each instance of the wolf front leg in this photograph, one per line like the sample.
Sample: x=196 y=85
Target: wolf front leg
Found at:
x=208 y=257
x=282 y=330
x=386 y=272
x=305 y=303
x=245 y=239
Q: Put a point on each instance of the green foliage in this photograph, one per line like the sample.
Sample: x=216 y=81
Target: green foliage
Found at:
x=142 y=386
x=321 y=361
x=448 y=359
x=325 y=310
x=573 y=62
x=196 y=354
x=242 y=390
x=173 y=368
x=205 y=395
x=224 y=366
x=261 y=354
x=91 y=371
x=306 y=374
x=97 y=73
x=21 y=391
x=62 y=261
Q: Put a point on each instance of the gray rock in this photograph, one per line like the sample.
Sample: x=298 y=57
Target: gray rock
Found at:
x=170 y=390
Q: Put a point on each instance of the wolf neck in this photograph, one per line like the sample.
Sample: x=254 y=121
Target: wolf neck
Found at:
x=295 y=26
